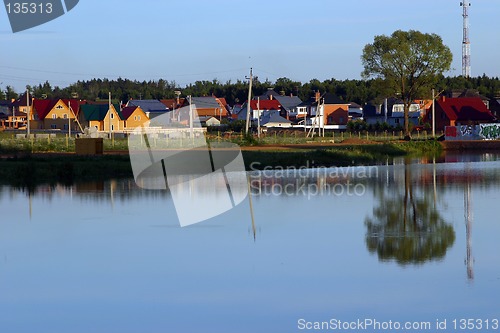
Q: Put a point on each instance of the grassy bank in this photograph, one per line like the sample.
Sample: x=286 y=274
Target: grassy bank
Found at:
x=369 y=154
x=27 y=170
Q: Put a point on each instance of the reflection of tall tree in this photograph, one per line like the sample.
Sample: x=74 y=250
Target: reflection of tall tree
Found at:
x=407 y=227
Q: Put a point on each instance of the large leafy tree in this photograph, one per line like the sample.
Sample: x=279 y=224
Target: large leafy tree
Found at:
x=409 y=62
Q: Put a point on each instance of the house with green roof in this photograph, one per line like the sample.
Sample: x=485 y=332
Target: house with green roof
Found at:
x=103 y=117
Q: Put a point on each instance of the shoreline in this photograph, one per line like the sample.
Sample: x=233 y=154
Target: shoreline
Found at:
x=29 y=170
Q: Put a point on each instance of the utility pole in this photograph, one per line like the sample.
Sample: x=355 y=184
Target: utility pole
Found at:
x=249 y=98
x=433 y=113
x=466 y=41
x=28 y=113
x=258 y=117
x=69 y=120
x=109 y=111
x=191 y=127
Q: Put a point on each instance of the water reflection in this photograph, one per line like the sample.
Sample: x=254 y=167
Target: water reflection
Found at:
x=406 y=226
x=110 y=247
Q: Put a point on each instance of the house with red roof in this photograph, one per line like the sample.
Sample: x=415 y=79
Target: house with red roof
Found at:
x=133 y=117
x=55 y=114
x=459 y=111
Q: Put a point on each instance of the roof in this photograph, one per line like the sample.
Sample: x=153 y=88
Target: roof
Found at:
x=148 y=105
x=275 y=118
x=172 y=103
x=354 y=105
x=21 y=101
x=331 y=99
x=467 y=93
x=465 y=109
x=127 y=111
x=265 y=104
x=97 y=112
x=42 y=107
x=287 y=102
x=208 y=102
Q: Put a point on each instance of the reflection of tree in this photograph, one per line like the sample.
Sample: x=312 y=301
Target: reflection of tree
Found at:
x=407 y=227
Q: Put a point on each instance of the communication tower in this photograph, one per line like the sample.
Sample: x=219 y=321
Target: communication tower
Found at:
x=466 y=41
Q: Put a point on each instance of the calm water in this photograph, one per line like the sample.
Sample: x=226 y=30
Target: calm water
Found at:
x=402 y=243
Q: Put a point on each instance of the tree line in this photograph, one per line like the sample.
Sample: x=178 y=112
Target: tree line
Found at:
x=359 y=91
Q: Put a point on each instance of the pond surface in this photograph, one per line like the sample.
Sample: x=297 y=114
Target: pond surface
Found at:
x=408 y=243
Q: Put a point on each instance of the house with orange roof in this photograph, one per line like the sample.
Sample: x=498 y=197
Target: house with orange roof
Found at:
x=209 y=106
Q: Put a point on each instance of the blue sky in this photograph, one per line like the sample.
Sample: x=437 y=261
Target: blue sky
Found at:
x=194 y=40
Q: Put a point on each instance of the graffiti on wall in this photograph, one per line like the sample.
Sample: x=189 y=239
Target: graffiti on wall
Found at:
x=490 y=131
x=473 y=132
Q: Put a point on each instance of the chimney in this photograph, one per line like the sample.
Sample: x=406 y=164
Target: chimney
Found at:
x=270 y=97
x=443 y=98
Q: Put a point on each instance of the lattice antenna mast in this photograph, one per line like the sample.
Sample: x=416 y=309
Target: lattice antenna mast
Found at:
x=466 y=42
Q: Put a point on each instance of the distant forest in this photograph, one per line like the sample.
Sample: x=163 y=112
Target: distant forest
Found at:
x=359 y=91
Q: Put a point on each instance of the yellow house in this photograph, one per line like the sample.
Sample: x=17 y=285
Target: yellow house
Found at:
x=103 y=117
x=134 y=117
x=55 y=114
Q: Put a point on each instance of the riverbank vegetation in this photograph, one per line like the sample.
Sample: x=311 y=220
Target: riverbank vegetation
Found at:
x=23 y=168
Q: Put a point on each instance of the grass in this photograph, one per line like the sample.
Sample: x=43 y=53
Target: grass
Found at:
x=23 y=168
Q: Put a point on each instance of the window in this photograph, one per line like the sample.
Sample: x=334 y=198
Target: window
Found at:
x=59 y=107
x=396 y=120
x=135 y=117
x=66 y=127
x=138 y=117
x=53 y=126
x=112 y=115
x=54 y=116
x=112 y=127
x=65 y=116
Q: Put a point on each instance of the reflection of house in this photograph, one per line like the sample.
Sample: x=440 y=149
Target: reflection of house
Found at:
x=55 y=114
x=459 y=111
x=102 y=117
x=133 y=117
